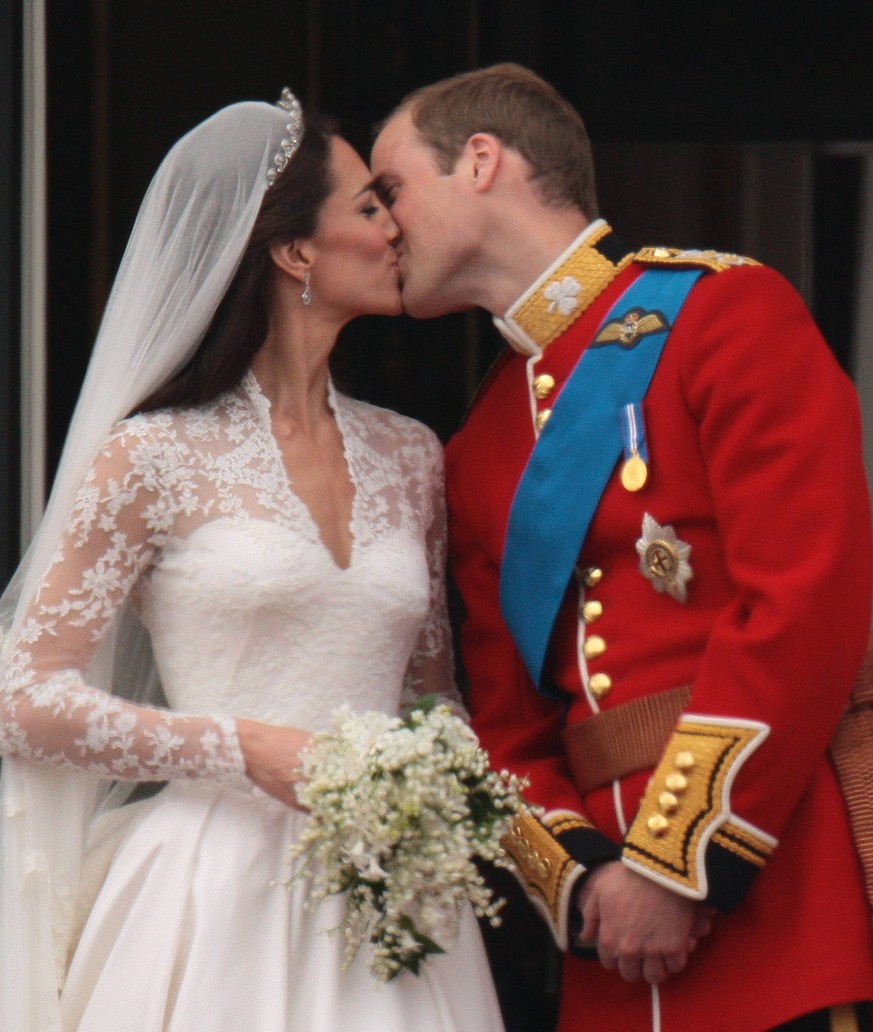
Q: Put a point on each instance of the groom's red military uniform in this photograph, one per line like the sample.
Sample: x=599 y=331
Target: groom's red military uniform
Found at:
x=705 y=648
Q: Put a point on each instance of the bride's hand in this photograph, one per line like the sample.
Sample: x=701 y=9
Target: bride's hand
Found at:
x=272 y=756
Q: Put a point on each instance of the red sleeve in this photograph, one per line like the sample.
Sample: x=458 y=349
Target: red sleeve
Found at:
x=779 y=431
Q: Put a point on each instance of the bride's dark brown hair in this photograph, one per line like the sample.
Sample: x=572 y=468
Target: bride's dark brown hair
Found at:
x=290 y=211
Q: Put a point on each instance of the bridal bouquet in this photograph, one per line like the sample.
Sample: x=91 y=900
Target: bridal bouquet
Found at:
x=399 y=809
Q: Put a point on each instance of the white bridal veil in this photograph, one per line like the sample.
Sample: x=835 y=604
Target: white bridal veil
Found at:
x=187 y=242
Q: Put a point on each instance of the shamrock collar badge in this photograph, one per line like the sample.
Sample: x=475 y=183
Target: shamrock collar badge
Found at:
x=563 y=295
x=664 y=559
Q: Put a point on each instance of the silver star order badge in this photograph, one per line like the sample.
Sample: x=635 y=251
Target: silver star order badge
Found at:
x=664 y=559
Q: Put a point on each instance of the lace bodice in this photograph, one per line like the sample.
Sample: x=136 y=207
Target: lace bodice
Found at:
x=189 y=516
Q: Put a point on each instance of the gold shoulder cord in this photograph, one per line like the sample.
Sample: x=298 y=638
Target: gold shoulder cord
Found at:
x=670 y=257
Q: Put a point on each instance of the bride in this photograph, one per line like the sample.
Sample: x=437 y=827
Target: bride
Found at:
x=232 y=549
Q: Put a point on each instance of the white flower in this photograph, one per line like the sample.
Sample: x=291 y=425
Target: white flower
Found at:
x=398 y=812
x=563 y=294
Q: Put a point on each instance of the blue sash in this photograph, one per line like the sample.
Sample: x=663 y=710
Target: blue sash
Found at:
x=573 y=460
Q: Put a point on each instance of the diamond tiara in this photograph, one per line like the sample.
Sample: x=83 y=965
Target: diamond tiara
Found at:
x=288 y=102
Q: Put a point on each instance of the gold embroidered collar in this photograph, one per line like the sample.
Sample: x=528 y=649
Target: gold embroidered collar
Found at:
x=561 y=294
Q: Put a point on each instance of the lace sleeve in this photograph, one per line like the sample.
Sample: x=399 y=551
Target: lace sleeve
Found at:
x=48 y=711
x=431 y=668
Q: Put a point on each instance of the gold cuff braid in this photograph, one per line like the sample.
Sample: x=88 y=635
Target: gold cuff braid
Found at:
x=687 y=805
x=544 y=867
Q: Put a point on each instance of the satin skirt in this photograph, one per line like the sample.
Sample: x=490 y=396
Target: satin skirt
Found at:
x=191 y=927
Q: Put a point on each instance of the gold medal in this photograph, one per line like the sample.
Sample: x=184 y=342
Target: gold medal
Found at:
x=634 y=473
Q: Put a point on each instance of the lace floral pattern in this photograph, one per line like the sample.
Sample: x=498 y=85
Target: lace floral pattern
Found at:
x=190 y=516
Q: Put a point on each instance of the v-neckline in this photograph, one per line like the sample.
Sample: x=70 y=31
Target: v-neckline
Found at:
x=262 y=406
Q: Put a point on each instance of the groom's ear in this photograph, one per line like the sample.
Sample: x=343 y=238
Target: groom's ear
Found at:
x=483 y=152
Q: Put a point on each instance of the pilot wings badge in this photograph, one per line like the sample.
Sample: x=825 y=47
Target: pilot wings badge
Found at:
x=628 y=330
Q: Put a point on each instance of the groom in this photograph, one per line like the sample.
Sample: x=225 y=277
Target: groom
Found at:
x=660 y=531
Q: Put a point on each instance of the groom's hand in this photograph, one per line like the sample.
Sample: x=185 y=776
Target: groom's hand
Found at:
x=640 y=929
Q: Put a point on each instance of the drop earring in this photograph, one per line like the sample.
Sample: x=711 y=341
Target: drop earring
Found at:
x=306 y=295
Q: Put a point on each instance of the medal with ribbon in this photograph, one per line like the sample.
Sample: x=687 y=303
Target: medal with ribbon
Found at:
x=635 y=469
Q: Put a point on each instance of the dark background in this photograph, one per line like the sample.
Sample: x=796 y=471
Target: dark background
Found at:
x=128 y=77
x=10 y=161
x=678 y=98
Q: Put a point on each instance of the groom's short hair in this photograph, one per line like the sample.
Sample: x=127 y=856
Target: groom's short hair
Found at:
x=525 y=113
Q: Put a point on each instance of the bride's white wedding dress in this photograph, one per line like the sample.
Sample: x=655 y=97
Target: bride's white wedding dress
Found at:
x=184 y=923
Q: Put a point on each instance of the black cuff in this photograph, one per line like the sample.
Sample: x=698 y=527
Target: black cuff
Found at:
x=590 y=848
x=728 y=877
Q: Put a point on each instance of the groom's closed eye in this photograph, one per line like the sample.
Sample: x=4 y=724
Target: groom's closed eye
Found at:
x=385 y=189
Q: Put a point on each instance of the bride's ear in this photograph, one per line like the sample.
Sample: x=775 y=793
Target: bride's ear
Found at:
x=292 y=257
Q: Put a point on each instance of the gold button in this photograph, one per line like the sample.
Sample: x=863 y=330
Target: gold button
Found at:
x=684 y=761
x=591 y=576
x=657 y=824
x=543 y=418
x=592 y=610
x=594 y=646
x=600 y=685
x=543 y=385
x=668 y=803
x=676 y=783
